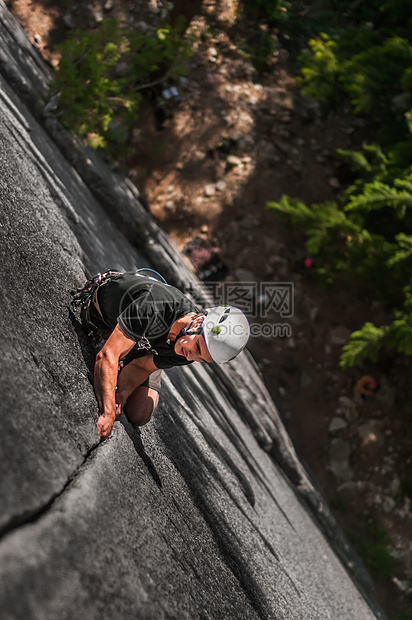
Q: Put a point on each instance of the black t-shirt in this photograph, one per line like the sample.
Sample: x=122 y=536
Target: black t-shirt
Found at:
x=145 y=309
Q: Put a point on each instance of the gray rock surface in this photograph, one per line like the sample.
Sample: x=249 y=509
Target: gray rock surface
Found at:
x=204 y=513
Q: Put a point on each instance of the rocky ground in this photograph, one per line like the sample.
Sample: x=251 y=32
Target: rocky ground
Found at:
x=236 y=140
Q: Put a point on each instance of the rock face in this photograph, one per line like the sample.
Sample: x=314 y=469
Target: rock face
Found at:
x=205 y=513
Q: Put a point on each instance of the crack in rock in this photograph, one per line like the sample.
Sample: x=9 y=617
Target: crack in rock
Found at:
x=32 y=516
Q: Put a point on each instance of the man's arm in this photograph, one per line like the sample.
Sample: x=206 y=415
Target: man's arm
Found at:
x=133 y=375
x=105 y=377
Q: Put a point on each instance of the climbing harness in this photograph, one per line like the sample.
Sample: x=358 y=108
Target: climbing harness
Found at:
x=87 y=294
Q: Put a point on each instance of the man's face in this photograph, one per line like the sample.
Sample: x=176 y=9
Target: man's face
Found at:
x=193 y=348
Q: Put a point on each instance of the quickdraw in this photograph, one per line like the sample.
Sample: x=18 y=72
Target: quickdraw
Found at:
x=83 y=297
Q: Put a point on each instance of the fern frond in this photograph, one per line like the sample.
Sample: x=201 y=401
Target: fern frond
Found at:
x=377 y=195
x=365 y=343
x=399 y=334
x=293 y=209
x=356 y=160
x=408 y=118
x=405 y=184
x=404 y=251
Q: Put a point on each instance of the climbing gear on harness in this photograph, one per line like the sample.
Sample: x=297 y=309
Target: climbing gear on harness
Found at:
x=226 y=331
x=87 y=294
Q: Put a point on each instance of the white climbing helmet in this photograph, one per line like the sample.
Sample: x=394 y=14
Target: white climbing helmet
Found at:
x=226 y=332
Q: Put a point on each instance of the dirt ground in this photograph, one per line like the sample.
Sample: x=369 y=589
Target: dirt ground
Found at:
x=234 y=141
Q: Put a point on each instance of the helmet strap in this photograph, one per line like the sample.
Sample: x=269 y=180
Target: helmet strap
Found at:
x=189 y=329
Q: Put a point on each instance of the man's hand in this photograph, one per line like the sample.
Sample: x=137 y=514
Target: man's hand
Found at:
x=105 y=378
x=104 y=426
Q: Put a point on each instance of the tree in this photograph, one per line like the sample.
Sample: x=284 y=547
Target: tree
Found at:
x=183 y=12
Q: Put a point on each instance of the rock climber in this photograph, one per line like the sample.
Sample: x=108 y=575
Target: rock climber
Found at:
x=146 y=325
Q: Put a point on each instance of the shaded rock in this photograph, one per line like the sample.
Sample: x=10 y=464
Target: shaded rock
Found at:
x=337 y=424
x=244 y=275
x=351 y=485
x=210 y=190
x=122 y=68
x=401 y=101
x=386 y=396
x=388 y=504
x=280 y=266
x=347 y=408
x=143 y=26
x=271 y=246
x=266 y=150
x=370 y=433
x=118 y=132
x=68 y=20
x=305 y=380
x=233 y=160
x=339 y=335
x=95 y=16
x=340 y=451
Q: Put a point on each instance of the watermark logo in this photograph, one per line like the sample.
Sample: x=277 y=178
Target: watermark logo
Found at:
x=270 y=330
x=258 y=300
x=267 y=305
x=143 y=312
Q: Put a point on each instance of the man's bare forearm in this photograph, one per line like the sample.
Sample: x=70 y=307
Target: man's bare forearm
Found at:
x=105 y=380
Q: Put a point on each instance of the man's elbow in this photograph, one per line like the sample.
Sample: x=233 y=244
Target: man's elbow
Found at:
x=106 y=357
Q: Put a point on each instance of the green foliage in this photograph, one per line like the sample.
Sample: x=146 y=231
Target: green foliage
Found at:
x=373 y=547
x=325 y=224
x=344 y=247
x=404 y=251
x=377 y=78
x=167 y=48
x=369 y=164
x=377 y=195
x=408 y=117
x=267 y=10
x=88 y=94
x=259 y=48
x=365 y=343
x=400 y=334
x=396 y=13
x=320 y=71
x=374 y=76
x=369 y=341
x=367 y=236
x=101 y=74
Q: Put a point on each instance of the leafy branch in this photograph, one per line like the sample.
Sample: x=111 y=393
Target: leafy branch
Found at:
x=102 y=73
